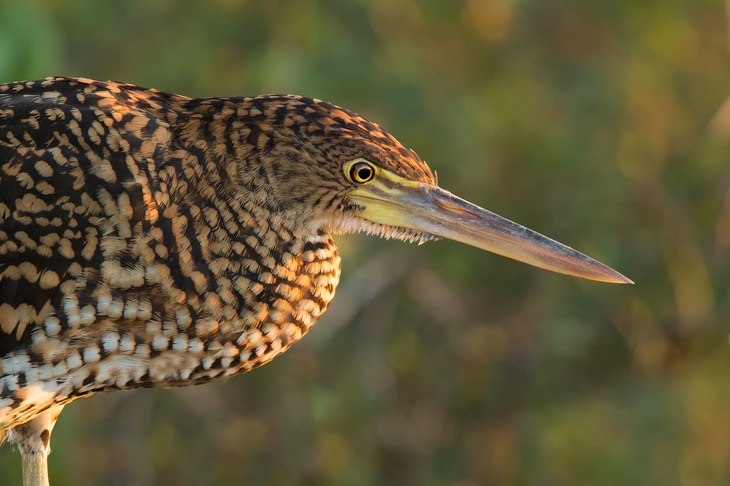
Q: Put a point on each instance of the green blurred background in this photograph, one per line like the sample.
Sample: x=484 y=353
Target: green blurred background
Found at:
x=601 y=123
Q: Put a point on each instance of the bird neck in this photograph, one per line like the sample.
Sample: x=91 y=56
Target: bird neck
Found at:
x=256 y=281
x=270 y=292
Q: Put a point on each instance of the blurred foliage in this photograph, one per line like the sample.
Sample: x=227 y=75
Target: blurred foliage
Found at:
x=603 y=124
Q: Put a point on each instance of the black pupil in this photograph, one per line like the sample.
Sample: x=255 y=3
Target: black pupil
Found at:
x=363 y=173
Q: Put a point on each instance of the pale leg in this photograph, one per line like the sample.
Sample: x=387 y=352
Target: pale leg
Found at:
x=34 y=441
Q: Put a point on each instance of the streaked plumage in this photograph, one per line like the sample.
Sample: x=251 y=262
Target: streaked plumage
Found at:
x=149 y=239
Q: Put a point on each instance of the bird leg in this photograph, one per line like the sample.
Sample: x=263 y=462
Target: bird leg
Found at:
x=35 y=469
x=34 y=441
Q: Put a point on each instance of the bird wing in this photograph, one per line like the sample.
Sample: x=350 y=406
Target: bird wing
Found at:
x=77 y=183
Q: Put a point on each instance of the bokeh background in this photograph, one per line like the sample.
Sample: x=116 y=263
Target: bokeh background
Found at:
x=604 y=124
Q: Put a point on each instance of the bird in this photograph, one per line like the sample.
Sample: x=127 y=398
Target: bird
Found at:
x=150 y=239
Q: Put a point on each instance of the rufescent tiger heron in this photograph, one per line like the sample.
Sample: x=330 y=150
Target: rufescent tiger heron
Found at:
x=153 y=240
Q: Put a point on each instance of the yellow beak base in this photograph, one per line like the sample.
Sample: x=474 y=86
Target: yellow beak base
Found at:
x=392 y=200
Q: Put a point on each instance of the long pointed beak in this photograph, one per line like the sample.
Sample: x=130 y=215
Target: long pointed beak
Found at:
x=392 y=200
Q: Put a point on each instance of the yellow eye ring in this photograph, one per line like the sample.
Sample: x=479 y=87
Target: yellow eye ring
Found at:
x=361 y=172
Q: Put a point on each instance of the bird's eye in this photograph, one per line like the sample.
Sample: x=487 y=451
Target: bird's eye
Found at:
x=362 y=172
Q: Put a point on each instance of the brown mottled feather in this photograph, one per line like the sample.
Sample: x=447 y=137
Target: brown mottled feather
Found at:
x=149 y=239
